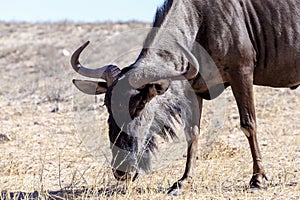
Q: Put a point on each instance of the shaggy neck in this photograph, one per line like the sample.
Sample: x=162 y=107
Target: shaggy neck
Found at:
x=176 y=22
x=180 y=21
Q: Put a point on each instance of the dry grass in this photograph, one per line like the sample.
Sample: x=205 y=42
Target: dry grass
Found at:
x=43 y=154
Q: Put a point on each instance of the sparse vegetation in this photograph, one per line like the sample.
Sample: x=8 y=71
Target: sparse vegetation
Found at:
x=43 y=154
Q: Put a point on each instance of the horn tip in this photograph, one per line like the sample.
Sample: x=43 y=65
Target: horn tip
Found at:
x=86 y=43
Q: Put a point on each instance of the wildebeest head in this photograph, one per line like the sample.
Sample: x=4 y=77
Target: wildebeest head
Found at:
x=125 y=100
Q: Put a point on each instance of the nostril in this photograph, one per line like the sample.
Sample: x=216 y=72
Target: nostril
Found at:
x=120 y=175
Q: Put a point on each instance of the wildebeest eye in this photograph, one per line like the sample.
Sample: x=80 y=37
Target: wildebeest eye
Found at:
x=159 y=88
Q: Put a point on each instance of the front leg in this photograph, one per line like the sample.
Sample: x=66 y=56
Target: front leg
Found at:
x=192 y=136
x=185 y=182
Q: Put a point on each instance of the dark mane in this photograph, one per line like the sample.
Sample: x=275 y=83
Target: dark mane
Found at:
x=161 y=12
x=160 y=16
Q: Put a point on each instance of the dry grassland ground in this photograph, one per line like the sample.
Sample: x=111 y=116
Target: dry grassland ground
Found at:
x=43 y=155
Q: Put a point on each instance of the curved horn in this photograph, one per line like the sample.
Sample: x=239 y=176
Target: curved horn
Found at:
x=139 y=80
x=107 y=72
x=194 y=70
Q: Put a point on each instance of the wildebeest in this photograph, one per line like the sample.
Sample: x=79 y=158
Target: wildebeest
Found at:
x=250 y=41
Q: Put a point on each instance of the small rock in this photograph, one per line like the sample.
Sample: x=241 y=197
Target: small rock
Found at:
x=66 y=52
x=55 y=110
x=5 y=138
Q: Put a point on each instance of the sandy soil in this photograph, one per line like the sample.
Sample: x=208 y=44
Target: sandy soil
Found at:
x=43 y=153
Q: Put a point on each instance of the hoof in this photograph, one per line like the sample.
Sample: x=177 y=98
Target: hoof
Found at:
x=174 y=191
x=257 y=181
x=177 y=188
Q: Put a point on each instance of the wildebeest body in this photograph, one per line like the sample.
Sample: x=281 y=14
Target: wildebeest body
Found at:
x=263 y=34
x=249 y=42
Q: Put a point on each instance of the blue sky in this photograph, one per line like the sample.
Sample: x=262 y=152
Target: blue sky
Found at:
x=83 y=10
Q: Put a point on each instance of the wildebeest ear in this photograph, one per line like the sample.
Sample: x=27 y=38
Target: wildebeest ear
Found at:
x=90 y=87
